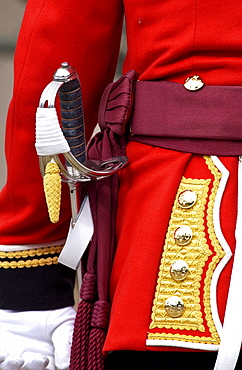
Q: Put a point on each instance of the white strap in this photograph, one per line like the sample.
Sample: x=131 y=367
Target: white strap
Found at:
x=49 y=137
x=78 y=237
x=231 y=335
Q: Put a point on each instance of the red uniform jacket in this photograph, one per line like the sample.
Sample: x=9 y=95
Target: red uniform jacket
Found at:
x=168 y=40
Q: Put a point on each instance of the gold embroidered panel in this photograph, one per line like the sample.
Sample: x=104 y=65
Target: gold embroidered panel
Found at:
x=201 y=253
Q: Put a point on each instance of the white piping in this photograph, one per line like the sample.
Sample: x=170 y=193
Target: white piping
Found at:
x=231 y=335
x=222 y=241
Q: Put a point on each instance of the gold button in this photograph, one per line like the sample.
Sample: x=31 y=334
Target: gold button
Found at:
x=187 y=199
x=193 y=83
x=179 y=270
x=183 y=235
x=174 y=306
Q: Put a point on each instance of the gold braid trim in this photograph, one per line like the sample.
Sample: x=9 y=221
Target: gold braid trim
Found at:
x=183 y=338
x=219 y=252
x=31 y=252
x=29 y=263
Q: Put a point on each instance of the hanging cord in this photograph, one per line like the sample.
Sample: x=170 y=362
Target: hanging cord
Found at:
x=115 y=109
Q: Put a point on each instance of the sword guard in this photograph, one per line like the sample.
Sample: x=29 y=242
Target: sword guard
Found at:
x=84 y=172
x=75 y=171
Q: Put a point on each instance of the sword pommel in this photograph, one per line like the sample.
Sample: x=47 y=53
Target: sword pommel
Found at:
x=65 y=73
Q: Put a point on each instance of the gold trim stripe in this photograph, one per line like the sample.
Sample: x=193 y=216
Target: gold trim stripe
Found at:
x=31 y=252
x=181 y=338
x=29 y=263
x=219 y=253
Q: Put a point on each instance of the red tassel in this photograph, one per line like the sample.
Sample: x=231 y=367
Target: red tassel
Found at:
x=100 y=320
x=82 y=327
x=95 y=354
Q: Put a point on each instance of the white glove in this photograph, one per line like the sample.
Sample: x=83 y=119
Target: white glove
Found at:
x=36 y=340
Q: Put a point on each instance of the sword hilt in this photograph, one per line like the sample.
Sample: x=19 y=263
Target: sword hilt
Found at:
x=72 y=127
x=71 y=110
x=77 y=169
x=72 y=118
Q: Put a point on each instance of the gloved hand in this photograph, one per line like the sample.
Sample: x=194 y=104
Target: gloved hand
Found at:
x=36 y=340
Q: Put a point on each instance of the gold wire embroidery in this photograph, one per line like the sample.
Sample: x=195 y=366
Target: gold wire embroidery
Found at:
x=29 y=263
x=195 y=254
x=219 y=252
x=31 y=252
x=180 y=337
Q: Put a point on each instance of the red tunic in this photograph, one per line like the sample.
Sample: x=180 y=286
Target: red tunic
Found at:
x=166 y=40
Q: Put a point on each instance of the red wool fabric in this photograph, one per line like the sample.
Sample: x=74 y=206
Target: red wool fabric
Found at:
x=169 y=40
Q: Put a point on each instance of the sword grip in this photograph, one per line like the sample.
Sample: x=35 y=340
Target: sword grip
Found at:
x=72 y=118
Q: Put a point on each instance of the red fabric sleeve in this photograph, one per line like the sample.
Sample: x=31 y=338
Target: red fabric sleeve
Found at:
x=87 y=35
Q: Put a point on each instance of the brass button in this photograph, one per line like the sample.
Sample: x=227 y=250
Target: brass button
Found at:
x=187 y=199
x=183 y=235
x=193 y=83
x=179 y=270
x=174 y=306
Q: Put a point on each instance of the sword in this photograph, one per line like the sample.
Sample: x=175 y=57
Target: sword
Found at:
x=51 y=141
